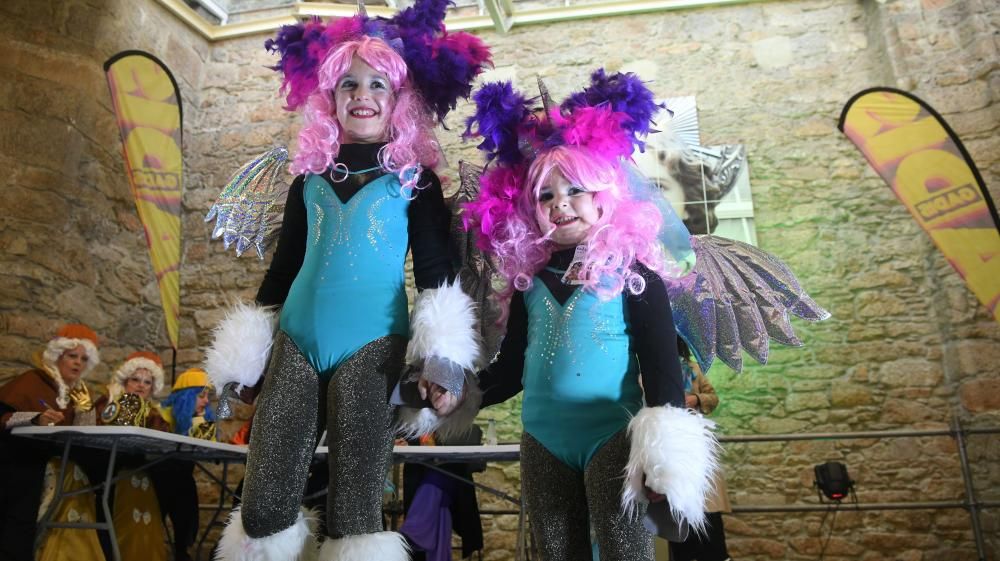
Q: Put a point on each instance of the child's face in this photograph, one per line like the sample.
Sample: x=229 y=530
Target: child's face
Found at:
x=363 y=98
x=201 y=402
x=567 y=210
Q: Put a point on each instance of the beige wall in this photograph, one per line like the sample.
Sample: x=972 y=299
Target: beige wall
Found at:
x=908 y=345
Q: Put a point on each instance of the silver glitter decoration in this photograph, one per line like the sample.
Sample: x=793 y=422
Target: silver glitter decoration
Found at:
x=248 y=211
x=282 y=442
x=559 y=336
x=737 y=298
x=602 y=325
x=563 y=504
x=376 y=225
x=344 y=215
x=317 y=225
x=360 y=436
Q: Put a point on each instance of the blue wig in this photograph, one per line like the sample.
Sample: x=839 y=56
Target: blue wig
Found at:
x=182 y=403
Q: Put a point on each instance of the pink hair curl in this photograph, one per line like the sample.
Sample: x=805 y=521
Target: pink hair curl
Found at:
x=411 y=145
x=505 y=218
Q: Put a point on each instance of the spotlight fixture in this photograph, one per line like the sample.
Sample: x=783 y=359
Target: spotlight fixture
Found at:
x=833 y=481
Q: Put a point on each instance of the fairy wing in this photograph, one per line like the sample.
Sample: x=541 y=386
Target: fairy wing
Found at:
x=478 y=275
x=249 y=209
x=736 y=298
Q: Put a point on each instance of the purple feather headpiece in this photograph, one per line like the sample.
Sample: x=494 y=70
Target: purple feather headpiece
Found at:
x=610 y=117
x=442 y=65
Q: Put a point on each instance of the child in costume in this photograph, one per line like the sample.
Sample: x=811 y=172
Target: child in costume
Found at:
x=590 y=337
x=371 y=89
x=188 y=408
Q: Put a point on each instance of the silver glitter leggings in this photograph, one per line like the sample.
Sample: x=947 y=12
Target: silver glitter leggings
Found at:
x=563 y=503
x=359 y=424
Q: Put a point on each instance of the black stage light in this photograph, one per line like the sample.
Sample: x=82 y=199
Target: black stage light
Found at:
x=833 y=481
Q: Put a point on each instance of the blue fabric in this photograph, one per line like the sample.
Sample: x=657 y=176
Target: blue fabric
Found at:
x=350 y=289
x=581 y=380
x=182 y=405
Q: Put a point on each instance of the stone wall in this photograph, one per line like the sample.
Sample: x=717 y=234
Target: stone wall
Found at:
x=908 y=345
x=72 y=245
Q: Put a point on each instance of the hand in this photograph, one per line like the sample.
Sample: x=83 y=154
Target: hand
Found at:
x=691 y=401
x=49 y=417
x=443 y=401
x=80 y=397
x=651 y=495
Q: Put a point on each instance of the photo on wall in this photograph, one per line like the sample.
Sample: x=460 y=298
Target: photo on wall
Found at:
x=708 y=186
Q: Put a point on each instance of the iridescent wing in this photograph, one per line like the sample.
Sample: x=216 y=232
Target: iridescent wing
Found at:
x=478 y=274
x=249 y=210
x=737 y=298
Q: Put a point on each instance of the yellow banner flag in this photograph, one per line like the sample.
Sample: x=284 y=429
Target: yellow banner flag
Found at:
x=148 y=108
x=922 y=160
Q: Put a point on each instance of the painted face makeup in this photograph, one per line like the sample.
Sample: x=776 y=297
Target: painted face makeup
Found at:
x=566 y=210
x=140 y=383
x=363 y=99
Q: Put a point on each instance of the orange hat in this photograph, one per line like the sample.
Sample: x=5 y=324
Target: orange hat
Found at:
x=148 y=355
x=68 y=337
x=77 y=331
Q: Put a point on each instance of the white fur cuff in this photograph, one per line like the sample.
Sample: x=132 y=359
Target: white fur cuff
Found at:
x=241 y=346
x=444 y=325
x=380 y=546
x=295 y=543
x=678 y=454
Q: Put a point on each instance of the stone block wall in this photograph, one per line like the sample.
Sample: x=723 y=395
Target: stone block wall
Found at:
x=908 y=345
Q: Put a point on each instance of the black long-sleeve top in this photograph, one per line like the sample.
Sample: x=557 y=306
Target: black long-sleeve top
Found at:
x=650 y=327
x=428 y=223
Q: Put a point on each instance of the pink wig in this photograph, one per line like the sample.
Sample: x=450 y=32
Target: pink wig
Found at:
x=506 y=219
x=411 y=145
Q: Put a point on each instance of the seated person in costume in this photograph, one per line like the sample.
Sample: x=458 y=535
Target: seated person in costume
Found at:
x=188 y=407
x=52 y=393
x=129 y=402
x=189 y=412
x=588 y=316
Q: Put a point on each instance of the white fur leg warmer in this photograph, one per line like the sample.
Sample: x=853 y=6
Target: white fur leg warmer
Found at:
x=296 y=543
x=241 y=346
x=677 y=453
x=381 y=546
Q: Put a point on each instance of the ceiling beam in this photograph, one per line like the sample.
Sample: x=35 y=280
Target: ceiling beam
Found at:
x=502 y=16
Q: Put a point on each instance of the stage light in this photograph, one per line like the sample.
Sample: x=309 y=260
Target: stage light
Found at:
x=833 y=481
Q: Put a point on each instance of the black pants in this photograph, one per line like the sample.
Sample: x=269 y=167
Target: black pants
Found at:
x=711 y=547
x=22 y=475
x=177 y=493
